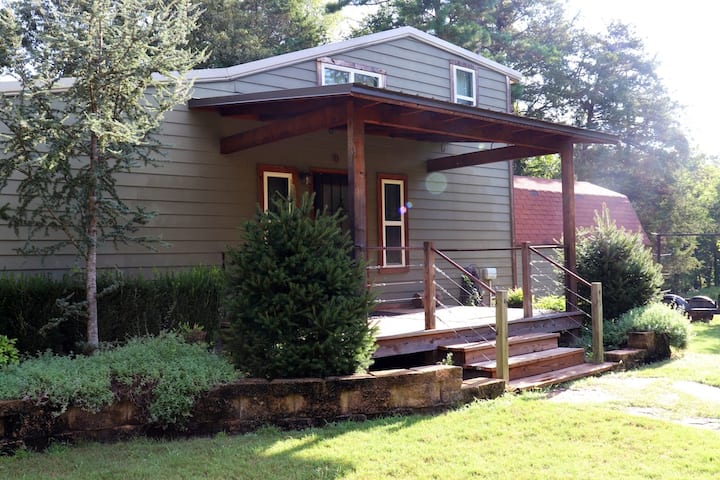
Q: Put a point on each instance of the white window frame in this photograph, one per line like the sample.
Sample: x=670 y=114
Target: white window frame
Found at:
x=402 y=223
x=267 y=174
x=457 y=98
x=352 y=70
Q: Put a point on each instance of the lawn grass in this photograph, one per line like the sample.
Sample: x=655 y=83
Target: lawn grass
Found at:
x=516 y=436
x=519 y=437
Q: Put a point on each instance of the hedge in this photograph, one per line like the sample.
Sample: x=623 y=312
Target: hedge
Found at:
x=30 y=308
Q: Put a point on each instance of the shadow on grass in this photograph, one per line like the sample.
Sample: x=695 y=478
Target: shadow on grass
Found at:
x=266 y=454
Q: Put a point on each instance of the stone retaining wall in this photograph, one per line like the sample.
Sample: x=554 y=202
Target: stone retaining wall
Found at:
x=245 y=405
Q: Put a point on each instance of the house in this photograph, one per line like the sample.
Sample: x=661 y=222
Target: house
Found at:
x=538 y=217
x=407 y=133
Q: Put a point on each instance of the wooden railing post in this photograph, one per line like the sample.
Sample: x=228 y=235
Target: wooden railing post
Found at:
x=526 y=281
x=429 y=283
x=597 y=322
x=501 y=336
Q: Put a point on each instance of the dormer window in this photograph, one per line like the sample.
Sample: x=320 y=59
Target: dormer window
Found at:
x=463 y=80
x=335 y=72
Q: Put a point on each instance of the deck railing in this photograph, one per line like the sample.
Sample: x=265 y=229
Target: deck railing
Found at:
x=428 y=287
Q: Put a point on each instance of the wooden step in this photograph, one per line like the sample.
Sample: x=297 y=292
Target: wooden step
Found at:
x=561 y=376
x=473 y=352
x=533 y=363
x=482 y=388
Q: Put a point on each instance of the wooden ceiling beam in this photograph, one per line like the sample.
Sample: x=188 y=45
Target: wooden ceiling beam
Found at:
x=328 y=117
x=483 y=157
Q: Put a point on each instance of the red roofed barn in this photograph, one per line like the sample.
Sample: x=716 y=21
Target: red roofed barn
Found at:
x=538 y=209
x=538 y=219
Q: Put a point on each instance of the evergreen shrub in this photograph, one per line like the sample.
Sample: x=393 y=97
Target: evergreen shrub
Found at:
x=297 y=301
x=630 y=276
x=131 y=306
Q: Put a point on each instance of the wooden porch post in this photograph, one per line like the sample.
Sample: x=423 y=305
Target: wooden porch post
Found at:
x=429 y=283
x=568 y=203
x=597 y=322
x=357 y=205
x=501 y=337
x=526 y=281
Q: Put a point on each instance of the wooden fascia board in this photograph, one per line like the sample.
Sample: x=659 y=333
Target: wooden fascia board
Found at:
x=328 y=117
x=483 y=157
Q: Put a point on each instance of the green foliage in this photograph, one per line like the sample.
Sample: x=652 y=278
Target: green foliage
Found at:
x=240 y=31
x=297 y=301
x=543 y=166
x=655 y=317
x=617 y=258
x=556 y=303
x=95 y=82
x=161 y=373
x=470 y=293
x=134 y=306
x=661 y=319
x=8 y=352
x=515 y=298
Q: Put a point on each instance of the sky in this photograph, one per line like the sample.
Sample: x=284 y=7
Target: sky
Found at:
x=684 y=37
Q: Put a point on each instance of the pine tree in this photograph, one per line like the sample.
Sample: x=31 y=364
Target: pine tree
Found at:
x=95 y=79
x=630 y=276
x=298 y=303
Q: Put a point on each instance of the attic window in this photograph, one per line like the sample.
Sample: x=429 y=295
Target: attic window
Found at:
x=336 y=72
x=463 y=81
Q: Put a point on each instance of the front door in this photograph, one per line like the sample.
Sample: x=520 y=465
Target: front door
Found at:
x=331 y=192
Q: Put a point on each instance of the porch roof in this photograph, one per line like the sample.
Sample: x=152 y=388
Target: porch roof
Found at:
x=294 y=112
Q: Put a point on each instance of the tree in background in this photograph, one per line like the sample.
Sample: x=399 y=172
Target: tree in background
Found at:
x=65 y=141
x=297 y=301
x=240 y=31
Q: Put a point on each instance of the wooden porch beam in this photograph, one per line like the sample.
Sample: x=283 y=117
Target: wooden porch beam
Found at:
x=357 y=210
x=569 y=235
x=483 y=157
x=329 y=117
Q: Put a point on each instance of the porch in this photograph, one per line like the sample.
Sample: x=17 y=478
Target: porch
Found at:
x=524 y=347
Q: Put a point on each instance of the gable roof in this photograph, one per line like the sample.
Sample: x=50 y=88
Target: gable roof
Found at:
x=537 y=209
x=335 y=48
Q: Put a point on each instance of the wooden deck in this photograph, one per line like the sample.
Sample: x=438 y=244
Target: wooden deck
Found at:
x=405 y=333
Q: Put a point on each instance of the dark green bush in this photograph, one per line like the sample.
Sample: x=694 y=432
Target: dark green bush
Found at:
x=131 y=306
x=163 y=374
x=297 y=303
x=617 y=258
